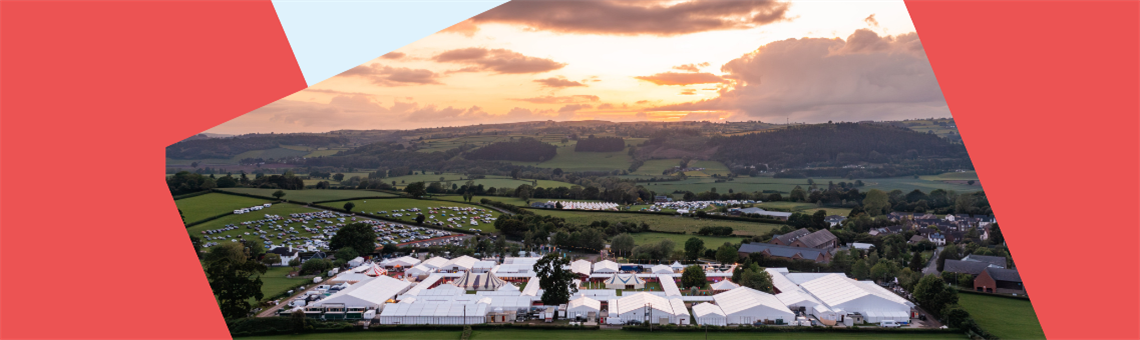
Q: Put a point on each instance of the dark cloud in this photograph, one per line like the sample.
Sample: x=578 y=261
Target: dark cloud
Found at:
x=815 y=80
x=558 y=82
x=870 y=20
x=691 y=67
x=677 y=78
x=393 y=76
x=624 y=17
x=560 y=99
x=501 y=61
x=394 y=55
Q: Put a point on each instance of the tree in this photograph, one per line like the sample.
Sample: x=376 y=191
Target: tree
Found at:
x=295 y=262
x=884 y=270
x=622 y=244
x=297 y=319
x=916 y=262
x=948 y=253
x=693 y=248
x=757 y=279
x=933 y=294
x=338 y=177
x=313 y=266
x=420 y=219
x=226 y=182
x=278 y=194
x=727 y=254
x=555 y=279
x=996 y=236
x=693 y=276
x=356 y=236
x=197 y=242
x=417 y=189
x=876 y=202
x=346 y=254
x=798 y=194
x=859 y=270
x=348 y=206
x=234 y=279
x=271 y=259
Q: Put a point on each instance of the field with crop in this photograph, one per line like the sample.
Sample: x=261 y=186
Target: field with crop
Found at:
x=1004 y=317
x=311 y=195
x=374 y=206
x=660 y=222
x=601 y=334
x=213 y=204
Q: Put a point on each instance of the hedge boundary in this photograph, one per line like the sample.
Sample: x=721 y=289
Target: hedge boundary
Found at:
x=197 y=193
x=661 y=213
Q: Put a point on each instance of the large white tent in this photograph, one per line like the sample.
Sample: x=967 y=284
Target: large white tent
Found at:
x=462 y=263
x=780 y=281
x=405 y=262
x=583 y=306
x=708 y=314
x=875 y=303
x=479 y=281
x=661 y=269
x=606 y=266
x=747 y=306
x=642 y=306
x=624 y=281
x=435 y=262
x=434 y=313
x=668 y=285
x=581 y=267
x=724 y=285
x=680 y=313
x=369 y=294
x=532 y=287
x=419 y=270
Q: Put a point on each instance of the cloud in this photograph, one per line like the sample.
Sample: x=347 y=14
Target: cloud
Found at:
x=466 y=28
x=393 y=76
x=691 y=67
x=500 y=61
x=704 y=116
x=623 y=17
x=870 y=20
x=642 y=102
x=558 y=82
x=815 y=80
x=606 y=106
x=574 y=108
x=560 y=99
x=394 y=55
x=677 y=78
x=689 y=92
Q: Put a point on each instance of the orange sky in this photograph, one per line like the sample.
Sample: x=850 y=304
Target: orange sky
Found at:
x=808 y=61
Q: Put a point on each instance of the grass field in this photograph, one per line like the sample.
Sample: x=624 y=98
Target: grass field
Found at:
x=807 y=208
x=372 y=206
x=568 y=160
x=601 y=334
x=656 y=166
x=458 y=179
x=274 y=282
x=311 y=195
x=711 y=242
x=1004 y=317
x=277 y=209
x=785 y=185
x=661 y=222
x=204 y=206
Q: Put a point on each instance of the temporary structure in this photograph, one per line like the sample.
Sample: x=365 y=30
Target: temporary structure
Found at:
x=668 y=285
x=584 y=306
x=708 y=314
x=643 y=307
x=747 y=306
x=580 y=267
x=662 y=269
x=434 y=313
x=724 y=285
x=606 y=266
x=462 y=263
x=405 y=262
x=480 y=281
x=677 y=266
x=624 y=281
x=376 y=271
x=875 y=303
x=370 y=294
x=435 y=262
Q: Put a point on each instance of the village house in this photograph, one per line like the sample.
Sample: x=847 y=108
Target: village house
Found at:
x=796 y=253
x=834 y=220
x=999 y=280
x=821 y=239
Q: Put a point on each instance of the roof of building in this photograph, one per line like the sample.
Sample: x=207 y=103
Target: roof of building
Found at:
x=765 y=212
x=782 y=251
x=780 y=281
x=480 y=281
x=462 y=262
x=964 y=267
x=405 y=261
x=817 y=238
x=625 y=279
x=585 y=302
x=532 y=287
x=581 y=267
x=1002 y=274
x=834 y=218
x=668 y=285
x=744 y=298
x=435 y=262
x=606 y=265
x=724 y=285
x=376 y=291
x=996 y=261
x=916 y=239
x=792 y=236
x=836 y=289
x=661 y=269
x=704 y=309
x=639 y=301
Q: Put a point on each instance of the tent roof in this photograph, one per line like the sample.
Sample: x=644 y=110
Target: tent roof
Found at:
x=668 y=285
x=639 y=301
x=744 y=298
x=706 y=309
x=724 y=285
x=464 y=262
x=625 y=279
x=662 y=269
x=606 y=264
x=580 y=267
x=435 y=262
x=480 y=281
x=532 y=287
x=836 y=289
x=376 y=292
x=780 y=281
x=585 y=302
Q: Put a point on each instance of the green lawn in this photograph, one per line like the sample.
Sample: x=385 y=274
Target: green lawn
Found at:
x=807 y=208
x=569 y=160
x=655 y=167
x=450 y=179
x=372 y=206
x=282 y=209
x=203 y=206
x=274 y=282
x=711 y=242
x=312 y=195
x=1004 y=317
x=602 y=334
x=661 y=222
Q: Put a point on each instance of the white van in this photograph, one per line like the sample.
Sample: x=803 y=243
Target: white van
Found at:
x=890 y=324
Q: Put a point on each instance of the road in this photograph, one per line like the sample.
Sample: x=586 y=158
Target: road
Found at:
x=932 y=267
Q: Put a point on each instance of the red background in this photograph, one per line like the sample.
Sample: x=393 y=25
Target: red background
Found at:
x=1045 y=95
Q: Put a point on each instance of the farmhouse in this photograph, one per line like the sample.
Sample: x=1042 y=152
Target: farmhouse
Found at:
x=287 y=254
x=787 y=239
x=999 y=280
x=817 y=255
x=994 y=261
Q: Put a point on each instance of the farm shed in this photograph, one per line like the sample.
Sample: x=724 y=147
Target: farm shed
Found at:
x=875 y=303
x=708 y=314
x=584 y=307
x=747 y=306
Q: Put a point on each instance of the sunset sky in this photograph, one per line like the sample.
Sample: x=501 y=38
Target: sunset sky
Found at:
x=807 y=61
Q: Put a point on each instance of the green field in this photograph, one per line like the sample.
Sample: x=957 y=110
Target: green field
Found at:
x=568 y=160
x=372 y=206
x=785 y=185
x=711 y=242
x=601 y=334
x=660 y=222
x=311 y=195
x=450 y=179
x=807 y=208
x=213 y=204
x=282 y=209
x=1004 y=317
x=274 y=282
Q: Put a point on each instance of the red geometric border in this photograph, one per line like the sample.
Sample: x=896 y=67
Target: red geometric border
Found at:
x=1045 y=95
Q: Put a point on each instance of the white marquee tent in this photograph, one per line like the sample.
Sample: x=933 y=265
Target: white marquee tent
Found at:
x=606 y=266
x=583 y=306
x=581 y=267
x=708 y=314
x=746 y=306
x=373 y=293
x=668 y=285
x=434 y=313
x=661 y=269
x=642 y=306
x=875 y=303
x=724 y=285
